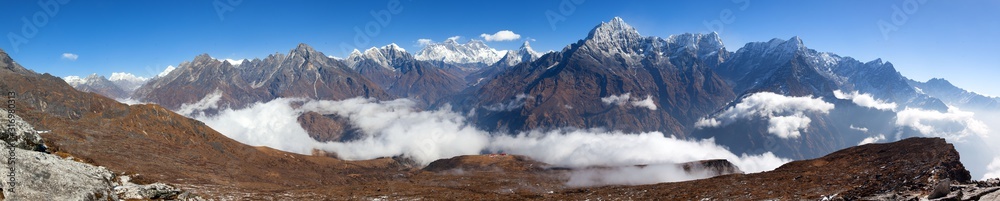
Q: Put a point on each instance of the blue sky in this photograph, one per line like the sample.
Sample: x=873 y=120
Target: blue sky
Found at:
x=955 y=40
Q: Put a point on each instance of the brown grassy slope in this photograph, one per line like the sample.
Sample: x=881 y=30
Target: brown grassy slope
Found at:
x=161 y=145
x=914 y=164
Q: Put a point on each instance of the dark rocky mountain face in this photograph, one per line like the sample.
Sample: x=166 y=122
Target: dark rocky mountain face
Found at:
x=198 y=79
x=615 y=79
x=303 y=73
x=945 y=91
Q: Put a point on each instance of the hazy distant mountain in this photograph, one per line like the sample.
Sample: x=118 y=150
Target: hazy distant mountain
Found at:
x=944 y=90
x=97 y=84
x=452 y=52
x=788 y=67
x=399 y=74
x=127 y=81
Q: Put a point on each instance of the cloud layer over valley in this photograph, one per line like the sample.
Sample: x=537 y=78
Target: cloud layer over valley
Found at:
x=396 y=128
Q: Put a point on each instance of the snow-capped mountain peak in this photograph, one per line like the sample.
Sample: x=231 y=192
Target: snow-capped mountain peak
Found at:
x=74 y=81
x=127 y=81
x=526 y=48
x=702 y=44
x=523 y=54
x=450 y=51
x=386 y=56
x=124 y=81
x=614 y=35
x=394 y=47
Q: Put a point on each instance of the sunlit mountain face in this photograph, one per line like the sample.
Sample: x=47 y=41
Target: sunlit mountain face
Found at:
x=428 y=100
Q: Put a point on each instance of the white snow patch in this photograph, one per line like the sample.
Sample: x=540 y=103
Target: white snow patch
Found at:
x=166 y=71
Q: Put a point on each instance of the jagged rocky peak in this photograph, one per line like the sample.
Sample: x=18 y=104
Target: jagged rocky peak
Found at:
x=526 y=49
x=702 y=44
x=793 y=44
x=390 y=52
x=694 y=41
x=784 y=49
x=523 y=54
x=204 y=57
x=305 y=51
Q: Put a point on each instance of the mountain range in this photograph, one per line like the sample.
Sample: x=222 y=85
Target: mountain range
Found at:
x=776 y=98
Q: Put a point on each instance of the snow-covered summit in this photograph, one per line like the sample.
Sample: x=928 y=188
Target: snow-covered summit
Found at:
x=386 y=56
x=614 y=36
x=450 y=51
x=702 y=44
x=127 y=81
x=523 y=54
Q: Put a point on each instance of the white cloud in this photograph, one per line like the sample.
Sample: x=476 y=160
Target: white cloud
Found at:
x=788 y=126
x=593 y=147
x=396 y=128
x=70 y=56
x=503 y=35
x=273 y=124
x=993 y=169
x=130 y=101
x=624 y=100
x=166 y=71
x=862 y=129
x=455 y=38
x=865 y=100
x=872 y=139
x=707 y=123
x=953 y=125
x=424 y=42
x=647 y=103
x=786 y=115
x=512 y=105
x=393 y=128
x=616 y=99
x=211 y=101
